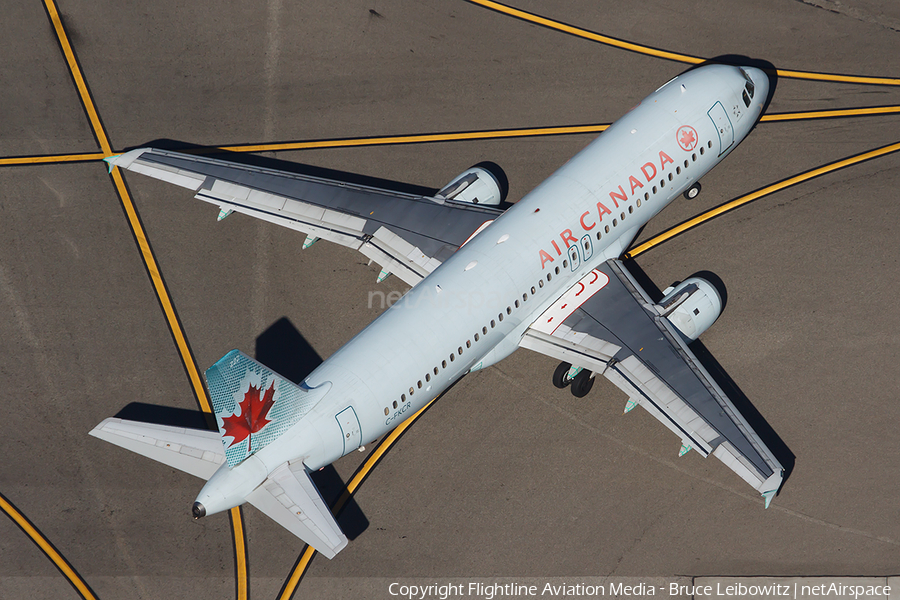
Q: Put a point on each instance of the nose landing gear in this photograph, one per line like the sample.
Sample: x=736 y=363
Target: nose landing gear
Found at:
x=692 y=192
x=579 y=378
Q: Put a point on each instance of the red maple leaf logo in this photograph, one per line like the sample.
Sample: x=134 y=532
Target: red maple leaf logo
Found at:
x=687 y=138
x=253 y=415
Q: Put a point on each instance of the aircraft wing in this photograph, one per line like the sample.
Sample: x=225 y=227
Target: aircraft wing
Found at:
x=605 y=323
x=289 y=497
x=407 y=235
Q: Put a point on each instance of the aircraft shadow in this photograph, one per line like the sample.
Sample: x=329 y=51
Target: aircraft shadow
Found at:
x=284 y=350
x=721 y=377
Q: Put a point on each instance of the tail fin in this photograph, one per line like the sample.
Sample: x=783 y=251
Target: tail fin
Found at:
x=254 y=405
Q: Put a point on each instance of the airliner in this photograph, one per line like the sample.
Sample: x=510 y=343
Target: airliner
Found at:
x=543 y=274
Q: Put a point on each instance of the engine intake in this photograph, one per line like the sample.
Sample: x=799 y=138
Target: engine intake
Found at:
x=475 y=186
x=692 y=306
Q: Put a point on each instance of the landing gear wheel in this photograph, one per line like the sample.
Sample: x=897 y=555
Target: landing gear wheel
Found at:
x=560 y=378
x=582 y=384
x=692 y=192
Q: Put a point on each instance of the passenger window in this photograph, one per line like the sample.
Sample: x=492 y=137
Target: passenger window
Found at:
x=459 y=350
x=452 y=358
x=419 y=383
x=386 y=411
x=556 y=270
x=541 y=283
x=484 y=330
x=598 y=237
x=615 y=222
x=427 y=376
x=476 y=337
x=493 y=324
x=468 y=343
x=395 y=404
x=517 y=302
x=443 y=364
x=403 y=397
x=500 y=317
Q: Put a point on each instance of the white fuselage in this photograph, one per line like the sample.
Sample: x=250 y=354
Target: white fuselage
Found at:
x=473 y=309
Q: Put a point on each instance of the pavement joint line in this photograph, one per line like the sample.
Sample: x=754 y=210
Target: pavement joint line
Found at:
x=190 y=365
x=665 y=54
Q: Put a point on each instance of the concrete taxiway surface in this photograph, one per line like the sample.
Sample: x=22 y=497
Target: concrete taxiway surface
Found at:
x=505 y=475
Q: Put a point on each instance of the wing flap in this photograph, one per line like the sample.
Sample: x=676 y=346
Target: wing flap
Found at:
x=404 y=233
x=290 y=498
x=615 y=331
x=193 y=451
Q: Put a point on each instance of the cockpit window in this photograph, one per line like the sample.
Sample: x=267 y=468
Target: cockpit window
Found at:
x=746 y=99
x=749 y=87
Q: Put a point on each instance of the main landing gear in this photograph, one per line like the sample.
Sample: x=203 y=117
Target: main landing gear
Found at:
x=692 y=192
x=580 y=379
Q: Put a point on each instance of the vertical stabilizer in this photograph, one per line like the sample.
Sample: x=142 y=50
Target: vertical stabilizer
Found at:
x=254 y=405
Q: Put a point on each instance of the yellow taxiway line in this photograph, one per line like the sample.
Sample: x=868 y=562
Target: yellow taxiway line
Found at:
x=303 y=562
x=47 y=548
x=494 y=134
x=152 y=266
x=674 y=56
x=51 y=158
x=421 y=138
x=770 y=189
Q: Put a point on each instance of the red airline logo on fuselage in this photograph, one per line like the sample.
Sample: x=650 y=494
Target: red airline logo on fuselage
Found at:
x=647 y=172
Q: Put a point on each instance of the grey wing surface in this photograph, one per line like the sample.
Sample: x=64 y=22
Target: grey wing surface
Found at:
x=406 y=234
x=613 y=329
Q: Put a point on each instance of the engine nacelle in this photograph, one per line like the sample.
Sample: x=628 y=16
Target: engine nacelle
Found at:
x=475 y=186
x=692 y=306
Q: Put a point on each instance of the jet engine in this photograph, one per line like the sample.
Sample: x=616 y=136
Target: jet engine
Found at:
x=691 y=306
x=475 y=186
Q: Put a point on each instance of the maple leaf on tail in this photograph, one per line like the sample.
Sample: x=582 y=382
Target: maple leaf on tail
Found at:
x=253 y=415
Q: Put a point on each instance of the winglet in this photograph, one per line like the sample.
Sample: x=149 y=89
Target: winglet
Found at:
x=767 y=496
x=111 y=161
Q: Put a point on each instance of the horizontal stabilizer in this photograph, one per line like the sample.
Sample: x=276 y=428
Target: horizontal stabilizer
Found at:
x=290 y=498
x=193 y=451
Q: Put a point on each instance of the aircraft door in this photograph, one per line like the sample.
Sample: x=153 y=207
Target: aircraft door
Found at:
x=587 y=247
x=574 y=257
x=350 y=430
x=723 y=126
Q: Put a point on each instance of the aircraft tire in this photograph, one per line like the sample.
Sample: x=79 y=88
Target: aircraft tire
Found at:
x=582 y=384
x=692 y=192
x=559 y=375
